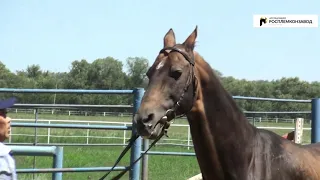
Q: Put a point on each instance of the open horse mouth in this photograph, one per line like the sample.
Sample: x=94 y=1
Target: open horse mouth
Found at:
x=152 y=131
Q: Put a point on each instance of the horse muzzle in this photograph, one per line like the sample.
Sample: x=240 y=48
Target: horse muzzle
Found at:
x=151 y=129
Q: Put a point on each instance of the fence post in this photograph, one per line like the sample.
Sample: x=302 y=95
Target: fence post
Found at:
x=88 y=133
x=189 y=137
x=58 y=163
x=298 y=130
x=124 y=136
x=145 y=160
x=35 y=129
x=136 y=147
x=315 y=124
x=49 y=132
x=36 y=111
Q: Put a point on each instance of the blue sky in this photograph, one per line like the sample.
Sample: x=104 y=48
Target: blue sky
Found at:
x=55 y=33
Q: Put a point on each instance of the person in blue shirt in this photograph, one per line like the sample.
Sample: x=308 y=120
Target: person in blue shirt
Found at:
x=7 y=162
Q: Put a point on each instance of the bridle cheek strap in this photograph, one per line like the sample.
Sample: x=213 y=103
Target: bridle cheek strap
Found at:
x=171 y=113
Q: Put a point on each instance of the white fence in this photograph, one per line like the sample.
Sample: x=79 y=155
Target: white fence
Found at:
x=170 y=141
x=70 y=112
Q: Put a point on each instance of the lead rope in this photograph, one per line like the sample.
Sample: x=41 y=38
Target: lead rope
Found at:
x=131 y=141
x=153 y=143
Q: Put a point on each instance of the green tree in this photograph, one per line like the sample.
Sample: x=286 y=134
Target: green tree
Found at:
x=137 y=69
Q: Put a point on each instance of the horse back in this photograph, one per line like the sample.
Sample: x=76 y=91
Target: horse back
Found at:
x=278 y=158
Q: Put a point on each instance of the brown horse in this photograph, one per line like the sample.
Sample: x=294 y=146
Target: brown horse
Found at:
x=227 y=146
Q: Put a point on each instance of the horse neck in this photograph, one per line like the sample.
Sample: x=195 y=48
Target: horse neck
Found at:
x=221 y=134
x=227 y=123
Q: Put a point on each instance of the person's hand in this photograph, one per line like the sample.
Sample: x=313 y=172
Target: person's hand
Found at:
x=5 y=128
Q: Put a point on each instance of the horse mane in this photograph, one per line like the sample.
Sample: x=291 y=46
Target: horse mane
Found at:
x=215 y=84
x=240 y=135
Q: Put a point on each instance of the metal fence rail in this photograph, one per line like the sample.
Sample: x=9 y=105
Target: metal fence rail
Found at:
x=71 y=126
x=135 y=150
x=135 y=153
x=87 y=124
x=55 y=152
x=68 y=91
x=272 y=99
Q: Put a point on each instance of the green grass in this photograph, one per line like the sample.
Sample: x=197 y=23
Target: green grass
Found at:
x=160 y=167
x=178 y=167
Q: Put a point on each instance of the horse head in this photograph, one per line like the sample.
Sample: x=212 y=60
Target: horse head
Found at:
x=171 y=88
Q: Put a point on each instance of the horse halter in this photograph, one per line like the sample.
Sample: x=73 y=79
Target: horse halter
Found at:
x=171 y=113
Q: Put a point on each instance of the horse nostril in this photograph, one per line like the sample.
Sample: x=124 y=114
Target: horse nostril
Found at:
x=150 y=117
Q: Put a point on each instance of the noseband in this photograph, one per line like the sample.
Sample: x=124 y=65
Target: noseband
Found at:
x=171 y=113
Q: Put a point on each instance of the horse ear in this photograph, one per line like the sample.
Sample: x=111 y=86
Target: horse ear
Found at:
x=169 y=39
x=190 y=42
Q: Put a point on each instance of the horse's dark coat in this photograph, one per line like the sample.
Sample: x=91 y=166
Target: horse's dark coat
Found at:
x=227 y=146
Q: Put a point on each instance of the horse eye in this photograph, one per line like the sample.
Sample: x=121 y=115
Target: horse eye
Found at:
x=175 y=73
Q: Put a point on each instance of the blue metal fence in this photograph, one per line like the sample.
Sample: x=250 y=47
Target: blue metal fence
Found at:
x=68 y=91
x=134 y=173
x=55 y=152
x=136 y=150
x=315 y=116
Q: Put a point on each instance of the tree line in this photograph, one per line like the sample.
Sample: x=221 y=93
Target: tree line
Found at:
x=111 y=73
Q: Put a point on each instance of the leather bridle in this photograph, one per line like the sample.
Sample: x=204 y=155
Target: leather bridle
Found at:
x=170 y=113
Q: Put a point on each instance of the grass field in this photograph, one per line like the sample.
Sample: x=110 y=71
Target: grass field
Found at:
x=160 y=167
